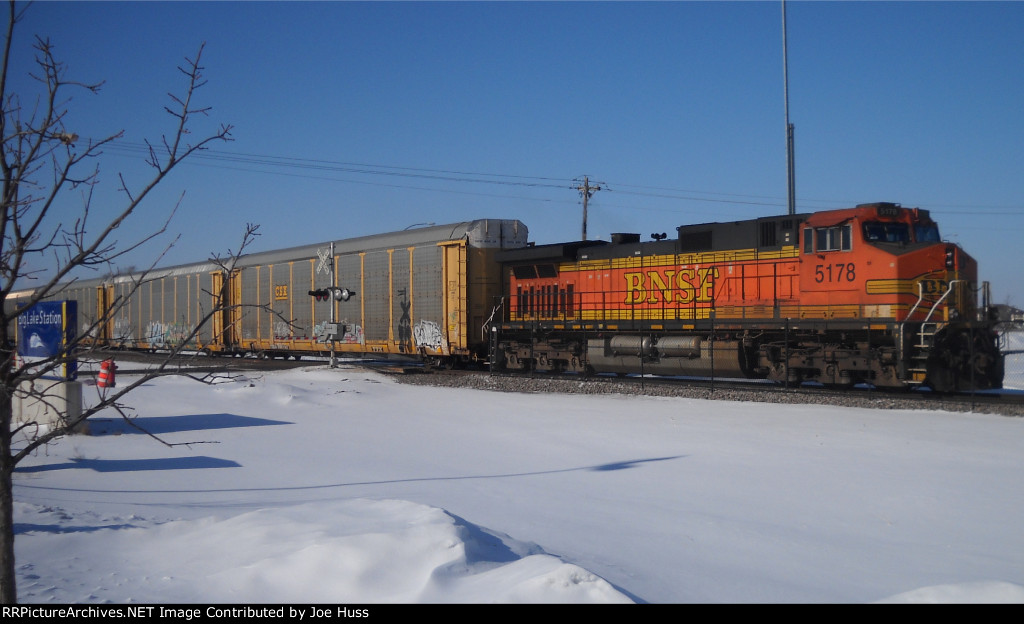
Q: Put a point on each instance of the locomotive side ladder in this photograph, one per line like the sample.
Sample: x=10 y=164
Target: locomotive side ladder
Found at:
x=923 y=339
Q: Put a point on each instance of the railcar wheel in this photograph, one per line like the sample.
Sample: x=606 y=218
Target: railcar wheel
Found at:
x=440 y=362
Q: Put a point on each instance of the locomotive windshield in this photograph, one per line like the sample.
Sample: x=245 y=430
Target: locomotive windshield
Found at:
x=878 y=232
x=881 y=232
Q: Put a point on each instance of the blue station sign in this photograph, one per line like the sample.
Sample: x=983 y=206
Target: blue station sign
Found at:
x=44 y=332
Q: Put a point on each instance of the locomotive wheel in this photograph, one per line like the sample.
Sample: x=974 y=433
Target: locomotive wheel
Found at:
x=940 y=377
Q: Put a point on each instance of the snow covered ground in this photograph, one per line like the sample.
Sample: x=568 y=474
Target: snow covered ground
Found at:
x=344 y=486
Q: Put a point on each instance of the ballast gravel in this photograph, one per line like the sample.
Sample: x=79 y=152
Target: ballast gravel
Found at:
x=576 y=385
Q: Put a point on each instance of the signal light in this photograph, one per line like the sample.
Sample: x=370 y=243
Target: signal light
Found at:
x=325 y=294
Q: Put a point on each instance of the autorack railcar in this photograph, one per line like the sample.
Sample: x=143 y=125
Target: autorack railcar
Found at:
x=422 y=293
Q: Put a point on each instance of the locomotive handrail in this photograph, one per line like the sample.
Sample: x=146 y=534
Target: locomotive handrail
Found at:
x=920 y=298
x=487 y=323
x=903 y=325
x=941 y=299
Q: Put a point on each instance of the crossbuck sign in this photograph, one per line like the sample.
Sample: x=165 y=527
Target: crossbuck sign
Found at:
x=325 y=258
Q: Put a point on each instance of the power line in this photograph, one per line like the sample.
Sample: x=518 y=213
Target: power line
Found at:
x=358 y=168
x=292 y=166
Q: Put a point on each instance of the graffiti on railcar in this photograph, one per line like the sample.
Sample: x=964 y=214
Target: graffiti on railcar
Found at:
x=159 y=334
x=89 y=330
x=428 y=334
x=282 y=330
x=405 y=324
x=320 y=330
x=353 y=334
x=123 y=331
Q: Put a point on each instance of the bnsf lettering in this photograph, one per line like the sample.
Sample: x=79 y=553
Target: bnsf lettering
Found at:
x=670 y=286
x=934 y=287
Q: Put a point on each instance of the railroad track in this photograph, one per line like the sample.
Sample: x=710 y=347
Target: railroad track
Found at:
x=1008 y=403
x=141 y=362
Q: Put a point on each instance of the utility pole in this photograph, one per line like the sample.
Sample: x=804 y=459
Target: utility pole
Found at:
x=334 y=309
x=586 y=190
x=790 y=159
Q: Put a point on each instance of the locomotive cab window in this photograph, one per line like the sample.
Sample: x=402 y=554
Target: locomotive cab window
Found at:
x=835 y=238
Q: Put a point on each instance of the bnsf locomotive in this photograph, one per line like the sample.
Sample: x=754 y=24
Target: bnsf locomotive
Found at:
x=864 y=295
x=870 y=294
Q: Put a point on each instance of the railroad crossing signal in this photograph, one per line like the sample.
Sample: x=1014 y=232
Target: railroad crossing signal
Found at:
x=325 y=259
x=338 y=294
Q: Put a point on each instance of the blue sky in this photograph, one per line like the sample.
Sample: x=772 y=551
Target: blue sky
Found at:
x=358 y=118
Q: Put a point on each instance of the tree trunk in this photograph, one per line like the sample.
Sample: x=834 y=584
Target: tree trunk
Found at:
x=8 y=584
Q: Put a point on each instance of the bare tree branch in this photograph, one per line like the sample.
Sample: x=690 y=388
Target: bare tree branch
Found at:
x=41 y=161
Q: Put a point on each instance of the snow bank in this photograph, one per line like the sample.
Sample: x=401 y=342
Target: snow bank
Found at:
x=350 y=551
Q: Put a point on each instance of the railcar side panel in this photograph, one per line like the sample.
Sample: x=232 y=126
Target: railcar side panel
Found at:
x=426 y=302
x=351 y=314
x=454 y=322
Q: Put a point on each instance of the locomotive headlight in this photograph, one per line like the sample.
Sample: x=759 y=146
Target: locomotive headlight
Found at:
x=950 y=258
